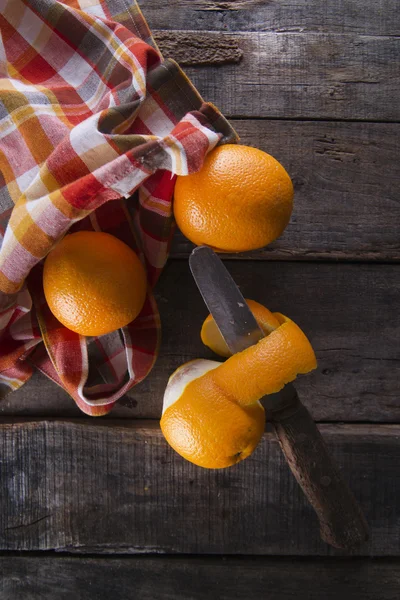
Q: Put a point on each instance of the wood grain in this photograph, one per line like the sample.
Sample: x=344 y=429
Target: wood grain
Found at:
x=349 y=16
x=191 y=578
x=349 y=311
x=308 y=76
x=190 y=48
x=341 y=520
x=346 y=178
x=89 y=487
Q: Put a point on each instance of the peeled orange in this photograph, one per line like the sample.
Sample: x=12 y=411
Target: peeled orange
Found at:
x=94 y=283
x=203 y=424
x=240 y=200
x=211 y=413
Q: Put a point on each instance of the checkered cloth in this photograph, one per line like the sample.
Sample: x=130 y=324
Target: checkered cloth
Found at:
x=94 y=127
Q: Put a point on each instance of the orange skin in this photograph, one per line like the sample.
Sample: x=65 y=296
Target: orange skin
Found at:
x=210 y=429
x=218 y=420
x=266 y=367
x=211 y=336
x=240 y=200
x=94 y=283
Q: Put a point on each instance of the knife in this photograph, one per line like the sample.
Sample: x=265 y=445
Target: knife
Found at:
x=342 y=523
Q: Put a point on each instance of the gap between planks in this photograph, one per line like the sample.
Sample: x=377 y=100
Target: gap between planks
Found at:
x=153 y=424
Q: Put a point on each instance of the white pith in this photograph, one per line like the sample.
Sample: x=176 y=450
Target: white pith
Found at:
x=183 y=376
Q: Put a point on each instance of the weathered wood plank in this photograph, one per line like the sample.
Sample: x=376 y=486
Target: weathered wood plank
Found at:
x=96 y=488
x=349 y=311
x=196 y=578
x=297 y=75
x=349 y=16
x=346 y=178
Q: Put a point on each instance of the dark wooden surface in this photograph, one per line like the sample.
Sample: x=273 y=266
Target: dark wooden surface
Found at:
x=302 y=75
x=316 y=84
x=118 y=488
x=349 y=16
x=196 y=578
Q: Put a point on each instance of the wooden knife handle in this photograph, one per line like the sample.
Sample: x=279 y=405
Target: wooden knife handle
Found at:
x=342 y=523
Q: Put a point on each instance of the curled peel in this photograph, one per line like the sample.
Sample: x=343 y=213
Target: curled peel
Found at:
x=212 y=415
x=267 y=366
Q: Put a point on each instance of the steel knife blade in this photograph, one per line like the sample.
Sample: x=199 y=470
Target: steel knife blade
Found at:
x=224 y=300
x=231 y=312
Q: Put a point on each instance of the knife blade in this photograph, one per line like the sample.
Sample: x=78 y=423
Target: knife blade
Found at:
x=231 y=313
x=224 y=300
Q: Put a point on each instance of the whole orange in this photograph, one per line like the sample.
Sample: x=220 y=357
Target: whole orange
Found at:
x=94 y=283
x=240 y=200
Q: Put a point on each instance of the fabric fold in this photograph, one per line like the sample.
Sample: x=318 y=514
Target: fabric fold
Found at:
x=94 y=127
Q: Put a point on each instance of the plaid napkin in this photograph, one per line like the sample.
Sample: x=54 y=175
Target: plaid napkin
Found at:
x=94 y=127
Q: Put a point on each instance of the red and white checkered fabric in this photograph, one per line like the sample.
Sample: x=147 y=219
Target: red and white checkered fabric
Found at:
x=94 y=127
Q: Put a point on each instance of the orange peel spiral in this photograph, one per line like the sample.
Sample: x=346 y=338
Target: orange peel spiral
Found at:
x=212 y=414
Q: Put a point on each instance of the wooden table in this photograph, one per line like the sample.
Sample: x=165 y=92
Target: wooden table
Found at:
x=104 y=508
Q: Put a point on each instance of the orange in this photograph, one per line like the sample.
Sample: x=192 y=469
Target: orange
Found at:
x=211 y=337
x=94 y=283
x=268 y=365
x=240 y=200
x=207 y=427
x=212 y=415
